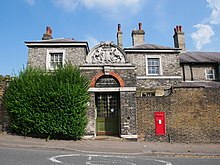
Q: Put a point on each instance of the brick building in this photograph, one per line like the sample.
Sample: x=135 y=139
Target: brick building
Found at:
x=140 y=92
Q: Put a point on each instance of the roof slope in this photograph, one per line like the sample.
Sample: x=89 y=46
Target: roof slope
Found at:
x=151 y=47
x=200 y=57
x=57 y=40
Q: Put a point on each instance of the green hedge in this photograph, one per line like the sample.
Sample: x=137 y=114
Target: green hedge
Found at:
x=48 y=104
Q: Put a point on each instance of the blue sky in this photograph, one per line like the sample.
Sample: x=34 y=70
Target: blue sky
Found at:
x=96 y=20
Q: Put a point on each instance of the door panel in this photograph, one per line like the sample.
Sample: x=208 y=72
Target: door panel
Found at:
x=107 y=122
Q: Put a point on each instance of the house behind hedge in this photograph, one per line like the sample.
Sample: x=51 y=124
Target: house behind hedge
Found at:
x=146 y=91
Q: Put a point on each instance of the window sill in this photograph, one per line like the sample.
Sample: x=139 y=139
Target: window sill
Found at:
x=158 y=77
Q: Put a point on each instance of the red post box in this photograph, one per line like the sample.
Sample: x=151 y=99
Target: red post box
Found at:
x=160 y=123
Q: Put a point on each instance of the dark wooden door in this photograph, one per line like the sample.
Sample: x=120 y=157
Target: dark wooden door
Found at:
x=107 y=121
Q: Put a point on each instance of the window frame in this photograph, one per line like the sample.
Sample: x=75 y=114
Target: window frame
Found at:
x=48 y=59
x=207 y=74
x=160 y=65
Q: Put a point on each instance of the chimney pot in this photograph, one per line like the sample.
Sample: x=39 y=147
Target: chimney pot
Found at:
x=177 y=28
x=48 y=30
x=140 y=26
x=119 y=36
x=48 y=34
x=119 y=27
x=180 y=28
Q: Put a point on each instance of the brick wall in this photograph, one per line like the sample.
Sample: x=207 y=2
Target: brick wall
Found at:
x=191 y=114
x=128 y=113
x=3 y=114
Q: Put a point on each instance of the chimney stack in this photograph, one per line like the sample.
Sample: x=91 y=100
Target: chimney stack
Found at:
x=138 y=36
x=119 y=37
x=179 y=39
x=48 y=34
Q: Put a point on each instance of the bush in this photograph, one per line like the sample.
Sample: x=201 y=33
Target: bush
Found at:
x=49 y=104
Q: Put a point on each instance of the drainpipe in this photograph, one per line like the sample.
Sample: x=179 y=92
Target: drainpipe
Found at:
x=191 y=71
x=218 y=71
x=184 y=76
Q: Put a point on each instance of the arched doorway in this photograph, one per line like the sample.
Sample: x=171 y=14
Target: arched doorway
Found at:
x=107 y=106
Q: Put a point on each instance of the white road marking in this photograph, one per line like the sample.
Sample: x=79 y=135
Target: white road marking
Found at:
x=89 y=162
x=107 y=162
x=162 y=161
x=54 y=158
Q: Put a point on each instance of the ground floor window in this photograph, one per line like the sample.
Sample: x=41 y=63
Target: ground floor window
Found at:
x=210 y=74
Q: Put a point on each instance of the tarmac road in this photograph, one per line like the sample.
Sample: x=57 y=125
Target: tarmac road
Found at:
x=33 y=156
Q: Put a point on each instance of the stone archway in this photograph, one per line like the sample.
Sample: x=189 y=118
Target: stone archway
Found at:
x=107 y=106
x=112 y=107
x=111 y=73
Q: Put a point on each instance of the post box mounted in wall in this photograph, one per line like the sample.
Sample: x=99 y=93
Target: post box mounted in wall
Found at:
x=160 y=123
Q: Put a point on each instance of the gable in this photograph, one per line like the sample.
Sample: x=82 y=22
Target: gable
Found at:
x=106 y=53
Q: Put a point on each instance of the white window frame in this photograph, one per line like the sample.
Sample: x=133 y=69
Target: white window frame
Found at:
x=160 y=65
x=206 y=74
x=48 y=59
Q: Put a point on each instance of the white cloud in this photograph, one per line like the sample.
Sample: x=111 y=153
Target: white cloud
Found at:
x=106 y=7
x=203 y=35
x=67 y=5
x=30 y=2
x=204 y=32
x=215 y=15
x=112 y=4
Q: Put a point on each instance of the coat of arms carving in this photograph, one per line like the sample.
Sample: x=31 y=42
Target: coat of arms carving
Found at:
x=106 y=53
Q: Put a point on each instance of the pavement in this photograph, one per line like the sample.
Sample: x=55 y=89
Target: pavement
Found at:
x=114 y=145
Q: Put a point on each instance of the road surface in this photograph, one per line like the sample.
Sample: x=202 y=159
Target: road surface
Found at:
x=33 y=156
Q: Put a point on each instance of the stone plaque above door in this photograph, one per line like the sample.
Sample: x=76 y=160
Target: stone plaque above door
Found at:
x=106 y=53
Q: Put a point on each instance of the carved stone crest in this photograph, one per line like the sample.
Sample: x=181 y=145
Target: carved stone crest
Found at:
x=105 y=53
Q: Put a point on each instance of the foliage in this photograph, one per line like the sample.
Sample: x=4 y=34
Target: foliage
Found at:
x=50 y=104
x=4 y=78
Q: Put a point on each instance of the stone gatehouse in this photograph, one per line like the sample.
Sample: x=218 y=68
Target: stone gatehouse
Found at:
x=117 y=76
x=112 y=109
x=139 y=92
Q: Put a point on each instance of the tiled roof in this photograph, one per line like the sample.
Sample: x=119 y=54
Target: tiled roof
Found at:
x=57 y=40
x=203 y=84
x=200 y=57
x=151 y=47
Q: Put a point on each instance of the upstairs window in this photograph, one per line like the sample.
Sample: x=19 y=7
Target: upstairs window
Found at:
x=153 y=66
x=210 y=74
x=55 y=59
